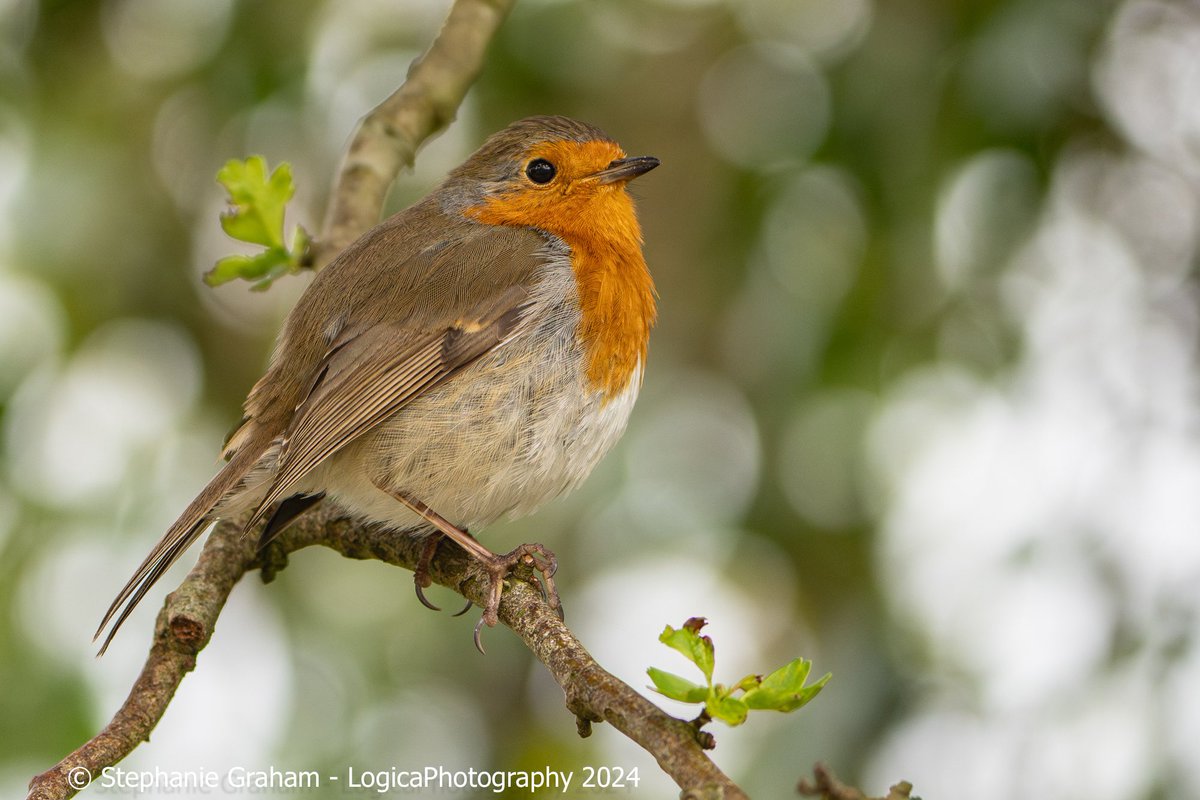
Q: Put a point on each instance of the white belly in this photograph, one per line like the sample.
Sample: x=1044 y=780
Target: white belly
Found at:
x=517 y=428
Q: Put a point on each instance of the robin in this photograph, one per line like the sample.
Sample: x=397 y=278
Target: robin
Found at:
x=472 y=356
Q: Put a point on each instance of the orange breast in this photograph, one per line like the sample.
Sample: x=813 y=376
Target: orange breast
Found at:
x=616 y=292
x=616 y=299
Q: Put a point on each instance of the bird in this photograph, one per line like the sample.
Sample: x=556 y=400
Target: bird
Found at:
x=471 y=357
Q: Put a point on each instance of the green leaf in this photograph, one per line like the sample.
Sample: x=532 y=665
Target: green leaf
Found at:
x=266 y=266
x=790 y=677
x=677 y=688
x=696 y=648
x=784 y=689
x=730 y=710
x=749 y=682
x=258 y=200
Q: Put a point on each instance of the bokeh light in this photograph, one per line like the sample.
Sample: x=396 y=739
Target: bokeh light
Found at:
x=156 y=39
x=764 y=105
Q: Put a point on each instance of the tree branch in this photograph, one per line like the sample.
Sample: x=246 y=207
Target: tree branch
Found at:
x=190 y=613
x=386 y=140
x=826 y=786
x=388 y=137
x=183 y=628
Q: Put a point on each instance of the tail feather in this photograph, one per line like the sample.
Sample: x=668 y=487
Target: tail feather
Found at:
x=146 y=576
x=182 y=533
x=287 y=512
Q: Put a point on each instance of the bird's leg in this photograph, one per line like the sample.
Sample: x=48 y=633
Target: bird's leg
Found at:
x=496 y=566
x=421 y=577
x=421 y=573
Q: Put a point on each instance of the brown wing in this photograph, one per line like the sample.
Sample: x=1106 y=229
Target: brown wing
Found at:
x=420 y=271
x=414 y=300
x=368 y=376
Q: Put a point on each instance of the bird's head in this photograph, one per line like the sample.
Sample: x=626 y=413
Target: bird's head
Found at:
x=551 y=173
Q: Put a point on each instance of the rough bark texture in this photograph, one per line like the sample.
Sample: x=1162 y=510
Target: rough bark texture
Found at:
x=190 y=613
x=388 y=137
x=826 y=786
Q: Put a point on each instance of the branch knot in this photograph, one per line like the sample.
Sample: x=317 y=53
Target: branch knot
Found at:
x=187 y=632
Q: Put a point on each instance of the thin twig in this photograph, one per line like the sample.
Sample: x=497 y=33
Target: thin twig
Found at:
x=189 y=615
x=183 y=628
x=826 y=786
x=591 y=692
x=388 y=137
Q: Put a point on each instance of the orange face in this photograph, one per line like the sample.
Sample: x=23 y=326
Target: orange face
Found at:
x=563 y=189
x=576 y=191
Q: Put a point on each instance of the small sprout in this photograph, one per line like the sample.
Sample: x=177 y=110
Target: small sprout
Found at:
x=695 y=648
x=255 y=216
x=726 y=707
x=782 y=690
x=677 y=688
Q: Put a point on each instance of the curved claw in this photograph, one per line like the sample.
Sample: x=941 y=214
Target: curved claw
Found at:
x=425 y=601
x=546 y=564
x=478 y=640
x=544 y=561
x=465 y=609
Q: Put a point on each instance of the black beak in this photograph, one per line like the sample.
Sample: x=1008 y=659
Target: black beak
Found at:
x=626 y=169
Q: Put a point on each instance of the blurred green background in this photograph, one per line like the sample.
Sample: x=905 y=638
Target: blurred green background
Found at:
x=921 y=405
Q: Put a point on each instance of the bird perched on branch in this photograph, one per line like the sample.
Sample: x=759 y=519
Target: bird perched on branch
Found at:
x=473 y=356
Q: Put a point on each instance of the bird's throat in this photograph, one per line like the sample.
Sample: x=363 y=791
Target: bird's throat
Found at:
x=616 y=293
x=617 y=307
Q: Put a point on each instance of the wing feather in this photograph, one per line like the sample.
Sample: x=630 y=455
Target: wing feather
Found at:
x=404 y=308
x=375 y=374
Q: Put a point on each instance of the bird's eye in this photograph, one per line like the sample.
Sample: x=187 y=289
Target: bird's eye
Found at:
x=540 y=171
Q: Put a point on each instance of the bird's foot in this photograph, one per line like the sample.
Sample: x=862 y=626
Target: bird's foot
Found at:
x=496 y=567
x=421 y=579
x=499 y=567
